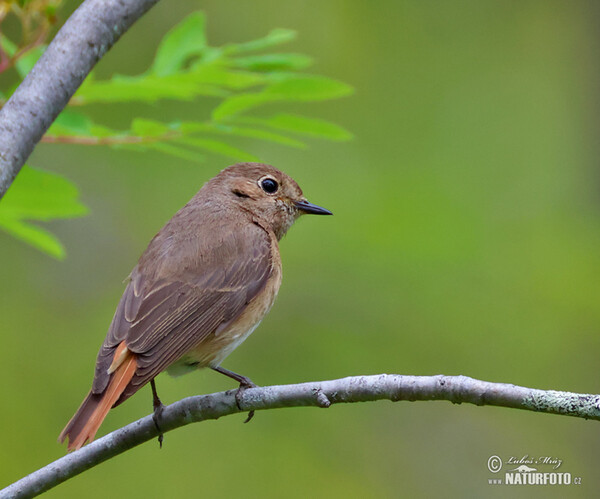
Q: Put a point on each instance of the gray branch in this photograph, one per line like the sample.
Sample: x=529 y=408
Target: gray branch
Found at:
x=394 y=387
x=86 y=36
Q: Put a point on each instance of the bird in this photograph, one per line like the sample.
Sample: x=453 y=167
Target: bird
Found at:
x=201 y=287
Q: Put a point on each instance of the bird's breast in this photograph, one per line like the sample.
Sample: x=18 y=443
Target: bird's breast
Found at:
x=229 y=338
x=217 y=346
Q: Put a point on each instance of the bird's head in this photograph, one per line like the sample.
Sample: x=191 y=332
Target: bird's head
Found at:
x=267 y=193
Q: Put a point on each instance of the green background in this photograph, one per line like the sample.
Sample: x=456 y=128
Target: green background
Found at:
x=465 y=241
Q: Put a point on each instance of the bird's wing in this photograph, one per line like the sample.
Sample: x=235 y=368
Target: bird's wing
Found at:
x=162 y=319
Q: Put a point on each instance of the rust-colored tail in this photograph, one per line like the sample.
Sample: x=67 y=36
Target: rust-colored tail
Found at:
x=92 y=411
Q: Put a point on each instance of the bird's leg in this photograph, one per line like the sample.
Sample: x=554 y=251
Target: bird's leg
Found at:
x=244 y=384
x=158 y=409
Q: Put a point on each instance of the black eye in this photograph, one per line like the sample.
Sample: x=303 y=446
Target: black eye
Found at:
x=269 y=185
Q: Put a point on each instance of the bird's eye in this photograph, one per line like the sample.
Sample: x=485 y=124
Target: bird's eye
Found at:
x=269 y=185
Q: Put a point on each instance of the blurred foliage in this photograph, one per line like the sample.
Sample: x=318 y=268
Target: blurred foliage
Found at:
x=39 y=195
x=185 y=68
x=34 y=19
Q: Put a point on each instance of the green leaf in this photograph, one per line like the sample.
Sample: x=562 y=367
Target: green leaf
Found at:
x=70 y=123
x=130 y=147
x=9 y=47
x=266 y=136
x=73 y=124
x=146 y=88
x=240 y=103
x=289 y=87
x=103 y=132
x=272 y=62
x=275 y=37
x=28 y=60
x=148 y=128
x=186 y=39
x=302 y=125
x=223 y=77
x=217 y=147
x=39 y=195
x=178 y=152
x=35 y=236
x=308 y=88
x=222 y=129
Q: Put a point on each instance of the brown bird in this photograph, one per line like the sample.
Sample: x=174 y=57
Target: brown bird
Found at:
x=201 y=287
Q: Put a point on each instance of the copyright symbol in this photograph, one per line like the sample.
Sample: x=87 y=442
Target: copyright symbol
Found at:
x=494 y=464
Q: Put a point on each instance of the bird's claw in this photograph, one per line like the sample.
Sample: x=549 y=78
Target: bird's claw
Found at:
x=244 y=385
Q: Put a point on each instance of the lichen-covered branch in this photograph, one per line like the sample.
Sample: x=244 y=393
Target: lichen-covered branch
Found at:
x=86 y=36
x=394 y=387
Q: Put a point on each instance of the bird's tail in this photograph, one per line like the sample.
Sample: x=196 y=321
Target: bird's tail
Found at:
x=92 y=411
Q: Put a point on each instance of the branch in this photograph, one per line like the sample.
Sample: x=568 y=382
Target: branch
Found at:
x=394 y=387
x=86 y=36
x=110 y=140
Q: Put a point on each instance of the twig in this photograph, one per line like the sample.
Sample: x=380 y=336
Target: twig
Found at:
x=86 y=36
x=110 y=140
x=456 y=389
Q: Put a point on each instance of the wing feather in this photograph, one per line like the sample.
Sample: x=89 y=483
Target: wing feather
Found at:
x=162 y=317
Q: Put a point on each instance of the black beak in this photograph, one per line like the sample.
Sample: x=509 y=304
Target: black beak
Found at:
x=310 y=208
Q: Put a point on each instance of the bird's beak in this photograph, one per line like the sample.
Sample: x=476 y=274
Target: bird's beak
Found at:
x=306 y=207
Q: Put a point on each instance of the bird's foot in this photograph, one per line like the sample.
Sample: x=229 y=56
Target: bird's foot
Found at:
x=158 y=410
x=238 y=396
x=244 y=382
